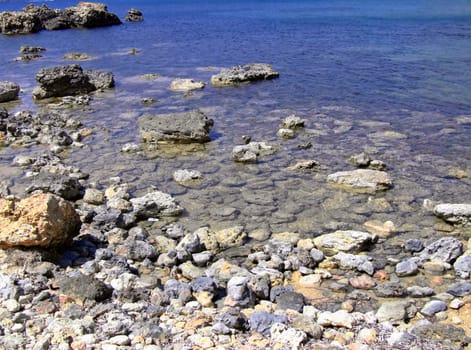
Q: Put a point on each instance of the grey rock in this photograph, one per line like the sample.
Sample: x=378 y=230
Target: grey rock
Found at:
x=399 y=338
x=316 y=255
x=8 y=90
x=250 y=152
x=419 y=292
x=140 y=250
x=293 y=122
x=308 y=325
x=392 y=311
x=344 y=241
x=243 y=74
x=413 y=245
x=94 y=196
x=390 y=289
x=261 y=321
x=203 y=283
x=91 y=15
x=362 y=180
x=360 y=263
x=8 y=288
x=155 y=204
x=238 y=292
x=407 y=267
x=177 y=290
x=340 y=318
x=186 y=177
x=460 y=289
x=233 y=319
x=288 y=337
x=444 y=333
x=454 y=213
x=290 y=300
x=100 y=80
x=85 y=287
x=17 y=22
x=134 y=15
x=361 y=160
x=444 y=250
x=186 y=127
x=433 y=307
x=462 y=266
x=64 y=186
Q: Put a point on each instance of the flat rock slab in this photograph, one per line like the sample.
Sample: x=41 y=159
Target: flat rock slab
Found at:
x=8 y=91
x=186 y=127
x=454 y=213
x=362 y=180
x=244 y=74
x=186 y=85
x=344 y=241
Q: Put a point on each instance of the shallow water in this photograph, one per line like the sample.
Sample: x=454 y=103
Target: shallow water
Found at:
x=392 y=80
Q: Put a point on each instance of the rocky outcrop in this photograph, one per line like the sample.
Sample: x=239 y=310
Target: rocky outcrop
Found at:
x=454 y=213
x=244 y=74
x=91 y=15
x=42 y=220
x=186 y=127
x=19 y=23
x=186 y=85
x=70 y=80
x=8 y=91
x=134 y=15
x=362 y=180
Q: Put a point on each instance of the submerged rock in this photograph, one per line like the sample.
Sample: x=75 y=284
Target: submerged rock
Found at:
x=186 y=177
x=8 y=91
x=249 y=152
x=186 y=85
x=362 y=180
x=454 y=213
x=42 y=220
x=243 y=74
x=186 y=127
x=155 y=204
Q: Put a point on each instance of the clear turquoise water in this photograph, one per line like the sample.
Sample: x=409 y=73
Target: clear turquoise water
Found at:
x=369 y=66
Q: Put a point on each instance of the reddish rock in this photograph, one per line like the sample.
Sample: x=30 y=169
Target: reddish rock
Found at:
x=42 y=220
x=362 y=282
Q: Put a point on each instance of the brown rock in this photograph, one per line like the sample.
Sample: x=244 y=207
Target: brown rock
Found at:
x=41 y=220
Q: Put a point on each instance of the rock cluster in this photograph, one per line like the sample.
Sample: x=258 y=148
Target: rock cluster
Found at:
x=243 y=74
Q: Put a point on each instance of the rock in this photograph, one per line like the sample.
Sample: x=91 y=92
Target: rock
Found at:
x=362 y=180
x=17 y=22
x=285 y=133
x=392 y=311
x=140 y=250
x=362 y=282
x=130 y=148
x=433 y=307
x=361 y=263
x=361 y=160
x=460 y=289
x=293 y=122
x=84 y=287
x=250 y=152
x=134 y=15
x=413 y=245
x=462 y=266
x=186 y=177
x=50 y=19
x=186 y=127
x=233 y=319
x=390 y=289
x=444 y=250
x=419 y=292
x=8 y=91
x=94 y=196
x=399 y=338
x=70 y=80
x=243 y=74
x=186 y=85
x=407 y=267
x=238 y=292
x=287 y=337
x=230 y=237
x=344 y=241
x=444 y=333
x=459 y=214
x=65 y=186
x=290 y=300
x=91 y=15
x=76 y=56
x=304 y=165
x=379 y=228
x=261 y=321
x=42 y=220
x=340 y=318
x=154 y=205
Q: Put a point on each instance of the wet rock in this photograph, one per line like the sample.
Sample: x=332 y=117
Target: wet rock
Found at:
x=17 y=22
x=361 y=160
x=361 y=263
x=460 y=289
x=42 y=220
x=413 y=245
x=293 y=122
x=8 y=90
x=407 y=267
x=433 y=307
x=340 y=318
x=155 y=204
x=462 y=266
x=230 y=237
x=186 y=177
x=77 y=56
x=304 y=165
x=362 y=180
x=390 y=289
x=392 y=311
x=249 y=153
x=70 y=80
x=186 y=85
x=64 y=186
x=344 y=241
x=419 y=292
x=261 y=321
x=243 y=74
x=134 y=15
x=444 y=250
x=131 y=148
x=454 y=213
x=186 y=127
x=84 y=287
x=91 y=15
x=285 y=133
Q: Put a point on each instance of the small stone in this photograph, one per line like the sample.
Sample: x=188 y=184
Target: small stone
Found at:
x=454 y=213
x=433 y=307
x=462 y=266
x=407 y=267
x=130 y=148
x=413 y=245
x=362 y=180
x=456 y=304
x=94 y=196
x=261 y=321
x=379 y=228
x=362 y=282
x=340 y=318
x=286 y=336
x=120 y=340
x=304 y=165
x=186 y=85
x=392 y=311
x=419 y=292
x=11 y=305
x=293 y=122
x=285 y=133
x=367 y=335
x=460 y=289
x=344 y=241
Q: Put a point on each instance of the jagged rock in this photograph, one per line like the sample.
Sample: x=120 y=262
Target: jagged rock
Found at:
x=462 y=265
x=243 y=74
x=186 y=85
x=32 y=49
x=304 y=165
x=134 y=15
x=186 y=177
x=186 y=127
x=362 y=180
x=261 y=321
x=41 y=220
x=8 y=91
x=293 y=122
x=444 y=250
x=360 y=263
x=84 y=287
x=344 y=241
x=91 y=15
x=155 y=204
x=64 y=186
x=17 y=22
x=454 y=213
x=250 y=152
x=340 y=318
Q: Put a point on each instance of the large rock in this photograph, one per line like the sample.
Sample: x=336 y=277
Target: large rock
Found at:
x=186 y=127
x=250 y=152
x=454 y=213
x=19 y=23
x=134 y=15
x=70 y=80
x=155 y=204
x=362 y=180
x=344 y=241
x=50 y=19
x=91 y=15
x=8 y=91
x=42 y=220
x=244 y=74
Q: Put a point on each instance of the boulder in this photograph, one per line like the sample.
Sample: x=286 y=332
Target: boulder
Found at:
x=186 y=127
x=344 y=241
x=362 y=180
x=249 y=153
x=293 y=122
x=42 y=220
x=186 y=85
x=186 y=177
x=155 y=204
x=91 y=15
x=454 y=213
x=134 y=15
x=17 y=22
x=8 y=91
x=244 y=74
x=50 y=19
x=70 y=80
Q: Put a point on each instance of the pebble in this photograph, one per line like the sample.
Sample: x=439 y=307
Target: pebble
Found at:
x=433 y=307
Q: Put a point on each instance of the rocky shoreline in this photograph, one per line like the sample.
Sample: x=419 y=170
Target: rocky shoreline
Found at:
x=95 y=266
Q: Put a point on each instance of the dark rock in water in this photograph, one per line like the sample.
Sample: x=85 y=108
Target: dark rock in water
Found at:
x=134 y=15
x=70 y=80
x=85 y=287
x=413 y=245
x=32 y=49
x=460 y=289
x=8 y=91
x=243 y=74
x=186 y=127
x=91 y=15
x=43 y=13
x=19 y=23
x=61 y=185
x=261 y=321
x=362 y=180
